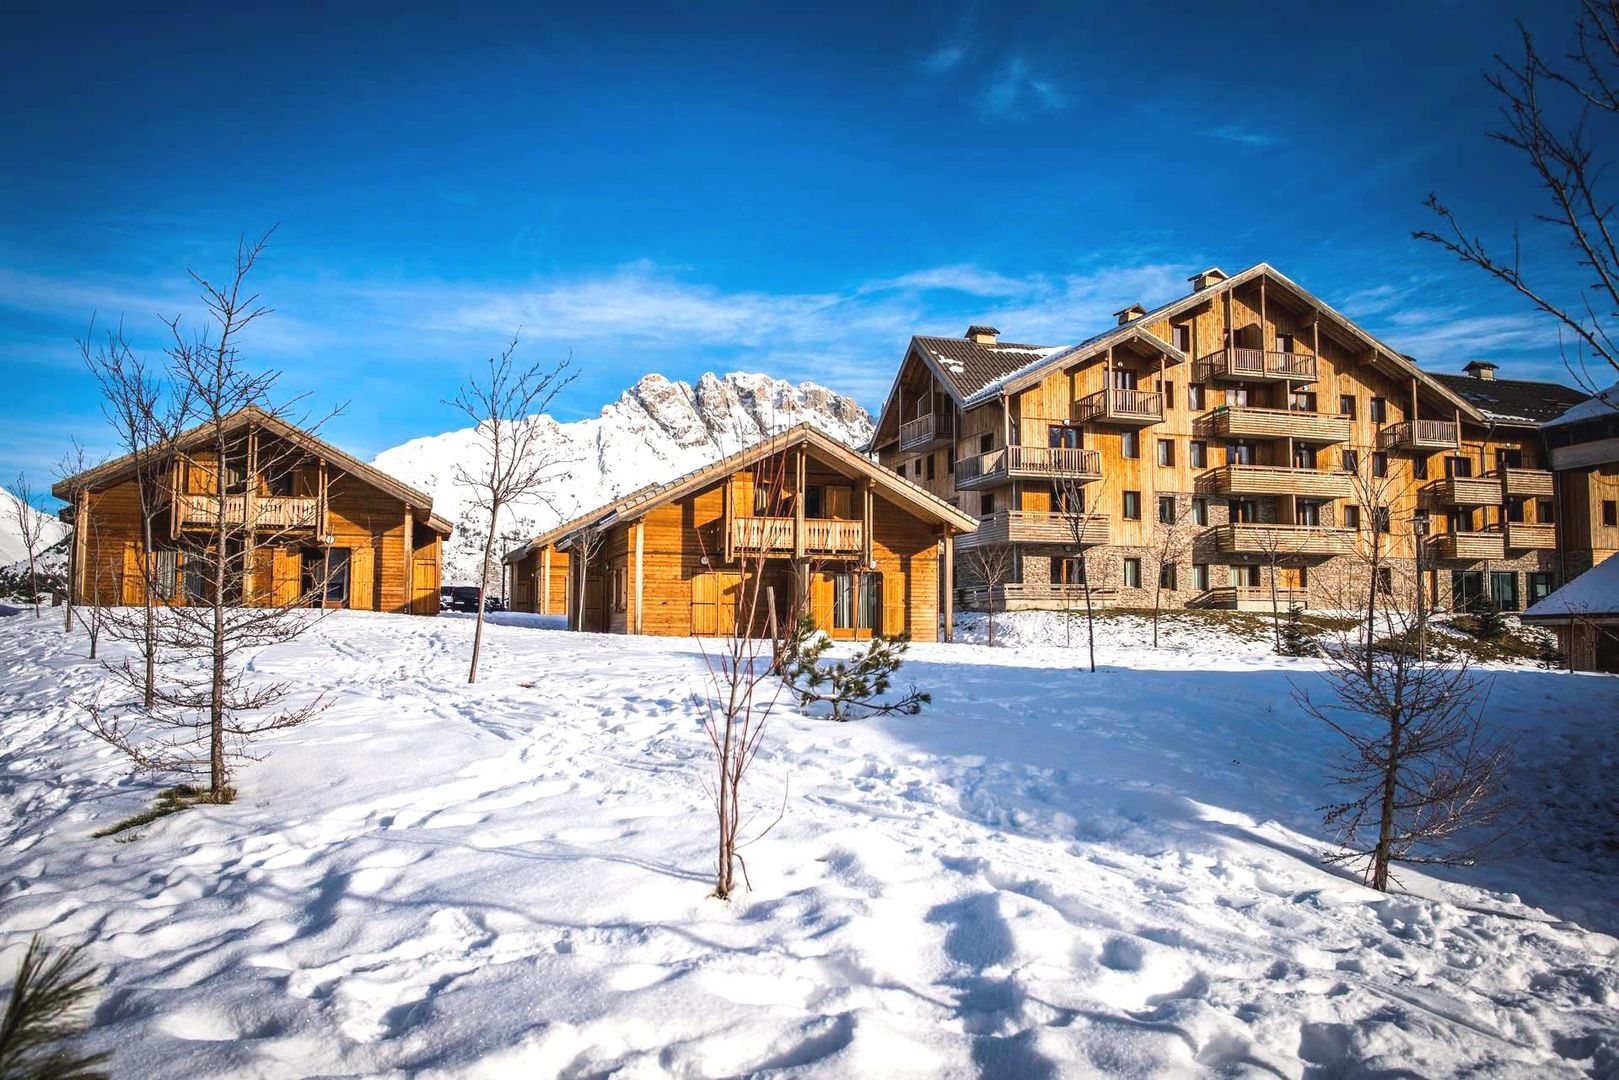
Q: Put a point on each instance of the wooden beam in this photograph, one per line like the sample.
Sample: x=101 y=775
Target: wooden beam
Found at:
x=798 y=504
x=410 y=570
x=947 y=576
x=640 y=575
x=866 y=519
x=545 y=581
x=81 y=521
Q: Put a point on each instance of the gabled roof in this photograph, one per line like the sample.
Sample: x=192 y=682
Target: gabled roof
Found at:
x=895 y=489
x=1514 y=401
x=965 y=366
x=558 y=531
x=117 y=469
x=1600 y=405
x=1594 y=593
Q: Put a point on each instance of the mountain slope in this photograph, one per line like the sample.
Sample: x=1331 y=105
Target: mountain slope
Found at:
x=658 y=429
x=12 y=548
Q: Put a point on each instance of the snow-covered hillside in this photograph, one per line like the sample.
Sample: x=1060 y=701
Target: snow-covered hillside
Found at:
x=1048 y=873
x=12 y=548
x=655 y=431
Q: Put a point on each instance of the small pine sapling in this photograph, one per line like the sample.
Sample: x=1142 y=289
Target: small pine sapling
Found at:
x=1295 y=638
x=850 y=687
x=46 y=1012
x=1490 y=624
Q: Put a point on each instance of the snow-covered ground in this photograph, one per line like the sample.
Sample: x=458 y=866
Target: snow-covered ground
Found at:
x=1047 y=873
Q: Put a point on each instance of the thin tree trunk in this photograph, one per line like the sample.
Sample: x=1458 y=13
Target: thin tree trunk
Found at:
x=1385 y=824
x=33 y=579
x=483 y=578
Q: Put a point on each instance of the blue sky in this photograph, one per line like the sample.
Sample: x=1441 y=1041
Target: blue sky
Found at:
x=681 y=188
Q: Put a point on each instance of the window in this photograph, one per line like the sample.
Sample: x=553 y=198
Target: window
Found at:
x=1351 y=461
x=1306 y=512
x=1066 y=570
x=1195 y=396
x=1351 y=516
x=1380 y=410
x=1166 y=451
x=278 y=480
x=1540 y=587
x=1610 y=512
x=814 y=501
x=1183 y=337
x=621 y=585
x=1304 y=577
x=1380 y=463
x=1132 y=573
x=1130 y=444
x=1515 y=509
x=1284 y=343
x=1168 y=390
x=1504 y=590
x=1244 y=575
x=1419 y=468
x=1303 y=456
x=1166 y=576
x=1123 y=379
x=986 y=443
x=1385 y=581
x=1200 y=511
x=1242 y=511
x=916 y=467
x=1200 y=576
x=1346 y=405
x=165 y=567
x=1458 y=466
x=1237 y=396
x=986 y=504
x=1067 y=498
x=1508 y=458
x=1237 y=453
x=1543 y=511
x=1466 y=589
x=949 y=463
x=1302 y=401
x=843 y=601
x=1383 y=518
x=1200 y=454
x=1061 y=436
x=326 y=576
x=899 y=468
x=932 y=466
x=1166 y=509
x=1132 y=505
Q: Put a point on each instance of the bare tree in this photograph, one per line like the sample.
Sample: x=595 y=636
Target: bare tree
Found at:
x=989 y=566
x=1169 y=543
x=1423 y=772
x=1561 y=114
x=583 y=547
x=201 y=724
x=516 y=462
x=1079 y=513
x=1279 y=551
x=30 y=529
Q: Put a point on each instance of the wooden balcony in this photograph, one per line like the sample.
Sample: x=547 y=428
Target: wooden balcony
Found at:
x=1245 y=422
x=1028 y=462
x=1257 y=365
x=1536 y=482
x=1035 y=527
x=1254 y=597
x=1253 y=538
x=774 y=536
x=925 y=432
x=1015 y=596
x=1419 y=435
x=1470 y=545
x=1464 y=491
x=1283 y=480
x=269 y=513
x=1124 y=408
x=1531 y=536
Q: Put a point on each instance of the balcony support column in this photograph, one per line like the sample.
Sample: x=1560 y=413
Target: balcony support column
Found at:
x=947 y=577
x=798 y=504
x=410 y=570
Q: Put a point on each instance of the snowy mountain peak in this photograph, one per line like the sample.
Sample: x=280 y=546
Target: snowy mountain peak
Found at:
x=656 y=430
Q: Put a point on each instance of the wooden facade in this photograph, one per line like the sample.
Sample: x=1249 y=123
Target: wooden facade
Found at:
x=863 y=550
x=314 y=512
x=1274 y=434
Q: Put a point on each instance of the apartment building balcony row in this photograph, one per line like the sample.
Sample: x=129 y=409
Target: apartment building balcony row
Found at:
x=1120 y=407
x=1036 y=527
x=1257 y=365
x=1420 y=435
x=1017 y=596
x=1250 y=538
x=1278 y=480
x=1491 y=489
x=926 y=432
x=1248 y=422
x=1028 y=462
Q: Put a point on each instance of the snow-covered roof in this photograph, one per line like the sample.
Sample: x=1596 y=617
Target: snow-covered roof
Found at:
x=1604 y=403
x=1593 y=593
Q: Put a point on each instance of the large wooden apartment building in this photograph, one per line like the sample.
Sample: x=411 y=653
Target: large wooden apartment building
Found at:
x=1274 y=434
x=309 y=523
x=863 y=550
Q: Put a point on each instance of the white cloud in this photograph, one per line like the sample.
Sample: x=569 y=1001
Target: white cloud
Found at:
x=1017 y=89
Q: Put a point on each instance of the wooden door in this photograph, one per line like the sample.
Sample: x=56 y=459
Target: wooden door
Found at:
x=133 y=589
x=896 y=612
x=714 y=597
x=287 y=571
x=362 y=579
x=424 y=587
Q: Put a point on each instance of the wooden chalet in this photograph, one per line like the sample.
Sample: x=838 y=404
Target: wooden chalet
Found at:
x=1250 y=415
x=299 y=510
x=868 y=550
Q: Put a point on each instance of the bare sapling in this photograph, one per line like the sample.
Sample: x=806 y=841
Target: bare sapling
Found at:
x=989 y=567
x=1422 y=770
x=1081 y=514
x=583 y=547
x=30 y=529
x=220 y=577
x=1170 y=542
x=514 y=458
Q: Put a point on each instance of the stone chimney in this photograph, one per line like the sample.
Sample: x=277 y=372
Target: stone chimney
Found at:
x=1130 y=314
x=1212 y=276
x=983 y=335
x=1481 y=369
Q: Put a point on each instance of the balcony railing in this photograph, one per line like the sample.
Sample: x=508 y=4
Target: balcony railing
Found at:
x=774 y=536
x=1530 y=536
x=1035 y=462
x=1257 y=364
x=1525 y=481
x=266 y=512
x=1015 y=595
x=1465 y=491
x=1251 y=538
x=924 y=431
x=1471 y=545
x=1116 y=405
x=1035 y=527
x=1246 y=422
x=1254 y=597
x=1283 y=480
x=1419 y=435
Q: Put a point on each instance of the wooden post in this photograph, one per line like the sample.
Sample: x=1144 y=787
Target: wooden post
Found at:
x=866 y=523
x=545 y=581
x=320 y=504
x=1264 y=328
x=727 y=517
x=1414 y=411
x=798 y=505
x=81 y=519
x=410 y=569
x=640 y=575
x=948 y=577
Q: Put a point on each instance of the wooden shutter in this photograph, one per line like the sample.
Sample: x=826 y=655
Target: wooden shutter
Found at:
x=424 y=587
x=287 y=570
x=839 y=502
x=362 y=571
x=133 y=588
x=704 y=618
